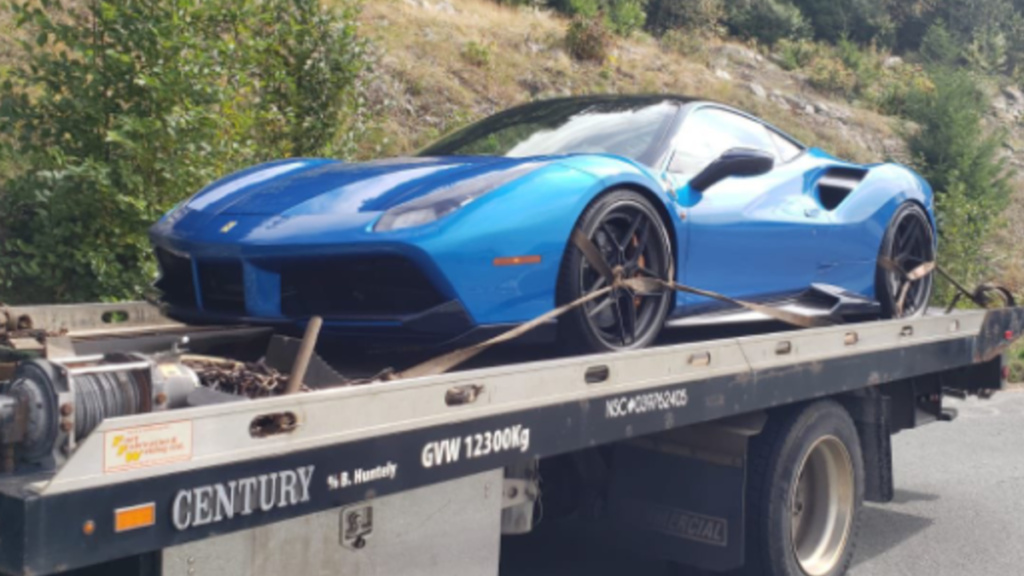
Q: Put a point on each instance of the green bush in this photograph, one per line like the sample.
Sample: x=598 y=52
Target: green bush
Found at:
x=304 y=61
x=576 y=7
x=477 y=54
x=621 y=16
x=988 y=51
x=938 y=46
x=796 y=54
x=893 y=89
x=862 y=20
x=123 y=109
x=588 y=39
x=952 y=150
x=832 y=75
x=704 y=16
x=691 y=44
x=766 y=21
x=626 y=16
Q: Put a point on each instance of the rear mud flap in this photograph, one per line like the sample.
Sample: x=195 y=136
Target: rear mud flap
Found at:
x=681 y=501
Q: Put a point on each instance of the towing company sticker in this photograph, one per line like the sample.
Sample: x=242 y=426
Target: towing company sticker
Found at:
x=386 y=471
x=636 y=404
x=450 y=450
x=143 y=446
x=214 y=503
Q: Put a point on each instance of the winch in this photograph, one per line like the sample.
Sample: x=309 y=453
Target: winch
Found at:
x=50 y=405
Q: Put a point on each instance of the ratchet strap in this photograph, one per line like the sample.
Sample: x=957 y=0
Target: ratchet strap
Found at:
x=980 y=296
x=616 y=280
x=909 y=278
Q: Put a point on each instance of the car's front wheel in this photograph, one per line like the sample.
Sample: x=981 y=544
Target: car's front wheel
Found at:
x=630 y=238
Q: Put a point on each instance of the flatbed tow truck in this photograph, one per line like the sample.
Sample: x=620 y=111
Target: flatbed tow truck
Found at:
x=725 y=452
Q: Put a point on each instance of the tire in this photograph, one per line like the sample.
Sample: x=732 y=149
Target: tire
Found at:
x=605 y=324
x=909 y=219
x=793 y=445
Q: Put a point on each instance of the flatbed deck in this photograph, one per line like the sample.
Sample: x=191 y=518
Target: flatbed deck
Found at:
x=362 y=442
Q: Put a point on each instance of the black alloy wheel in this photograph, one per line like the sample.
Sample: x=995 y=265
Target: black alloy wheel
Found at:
x=632 y=241
x=909 y=242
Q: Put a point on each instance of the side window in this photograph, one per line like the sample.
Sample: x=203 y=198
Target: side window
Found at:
x=787 y=148
x=709 y=132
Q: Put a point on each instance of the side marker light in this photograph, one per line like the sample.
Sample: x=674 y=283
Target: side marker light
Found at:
x=134 y=517
x=516 y=260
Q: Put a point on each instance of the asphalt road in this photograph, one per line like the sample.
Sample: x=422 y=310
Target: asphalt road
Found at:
x=959 y=505
x=959 y=508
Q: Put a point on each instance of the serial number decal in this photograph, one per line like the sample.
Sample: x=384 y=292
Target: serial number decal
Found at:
x=645 y=402
x=450 y=450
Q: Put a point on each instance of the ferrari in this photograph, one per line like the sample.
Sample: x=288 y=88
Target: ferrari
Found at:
x=474 y=234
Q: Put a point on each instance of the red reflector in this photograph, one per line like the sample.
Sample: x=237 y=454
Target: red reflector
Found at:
x=1006 y=372
x=516 y=260
x=1009 y=335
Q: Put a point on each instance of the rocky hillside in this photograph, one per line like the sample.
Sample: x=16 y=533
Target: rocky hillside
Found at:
x=442 y=63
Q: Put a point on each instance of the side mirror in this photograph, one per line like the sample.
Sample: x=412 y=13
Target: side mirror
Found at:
x=733 y=162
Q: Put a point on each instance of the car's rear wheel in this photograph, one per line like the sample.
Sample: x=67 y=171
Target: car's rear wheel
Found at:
x=628 y=233
x=909 y=242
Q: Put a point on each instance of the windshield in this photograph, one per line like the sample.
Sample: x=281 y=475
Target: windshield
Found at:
x=629 y=128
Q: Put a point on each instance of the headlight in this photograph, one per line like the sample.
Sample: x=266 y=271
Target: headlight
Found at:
x=443 y=201
x=175 y=213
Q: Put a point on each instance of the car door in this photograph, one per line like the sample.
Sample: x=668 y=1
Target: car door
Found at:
x=754 y=237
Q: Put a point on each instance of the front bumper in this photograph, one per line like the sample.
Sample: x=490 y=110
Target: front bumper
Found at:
x=385 y=295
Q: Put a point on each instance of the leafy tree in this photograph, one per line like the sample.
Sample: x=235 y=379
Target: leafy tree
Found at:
x=622 y=16
x=938 y=46
x=704 y=16
x=988 y=51
x=961 y=161
x=124 y=108
x=860 y=20
x=766 y=21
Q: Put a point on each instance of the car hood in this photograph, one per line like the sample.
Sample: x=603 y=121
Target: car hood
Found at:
x=319 y=186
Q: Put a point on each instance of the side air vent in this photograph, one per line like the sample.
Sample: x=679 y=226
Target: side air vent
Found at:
x=836 y=184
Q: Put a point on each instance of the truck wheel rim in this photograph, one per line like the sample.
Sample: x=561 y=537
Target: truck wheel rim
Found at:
x=821 y=506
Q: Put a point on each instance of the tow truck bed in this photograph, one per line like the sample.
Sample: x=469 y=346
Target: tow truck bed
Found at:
x=353 y=444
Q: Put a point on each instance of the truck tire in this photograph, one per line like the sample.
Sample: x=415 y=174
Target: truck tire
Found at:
x=805 y=487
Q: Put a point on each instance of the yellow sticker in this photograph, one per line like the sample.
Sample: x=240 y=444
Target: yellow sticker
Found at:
x=144 y=446
x=170 y=370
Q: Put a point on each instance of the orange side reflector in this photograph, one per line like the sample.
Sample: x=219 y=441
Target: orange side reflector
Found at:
x=134 y=517
x=516 y=260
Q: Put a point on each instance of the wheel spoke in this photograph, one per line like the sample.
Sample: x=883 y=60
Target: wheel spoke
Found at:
x=601 y=306
x=621 y=324
x=628 y=306
x=633 y=227
x=641 y=242
x=610 y=233
x=648 y=272
x=596 y=285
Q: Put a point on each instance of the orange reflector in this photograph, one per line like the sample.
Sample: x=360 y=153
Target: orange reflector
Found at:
x=516 y=260
x=134 y=517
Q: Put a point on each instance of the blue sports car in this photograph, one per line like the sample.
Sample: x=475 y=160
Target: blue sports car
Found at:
x=474 y=234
